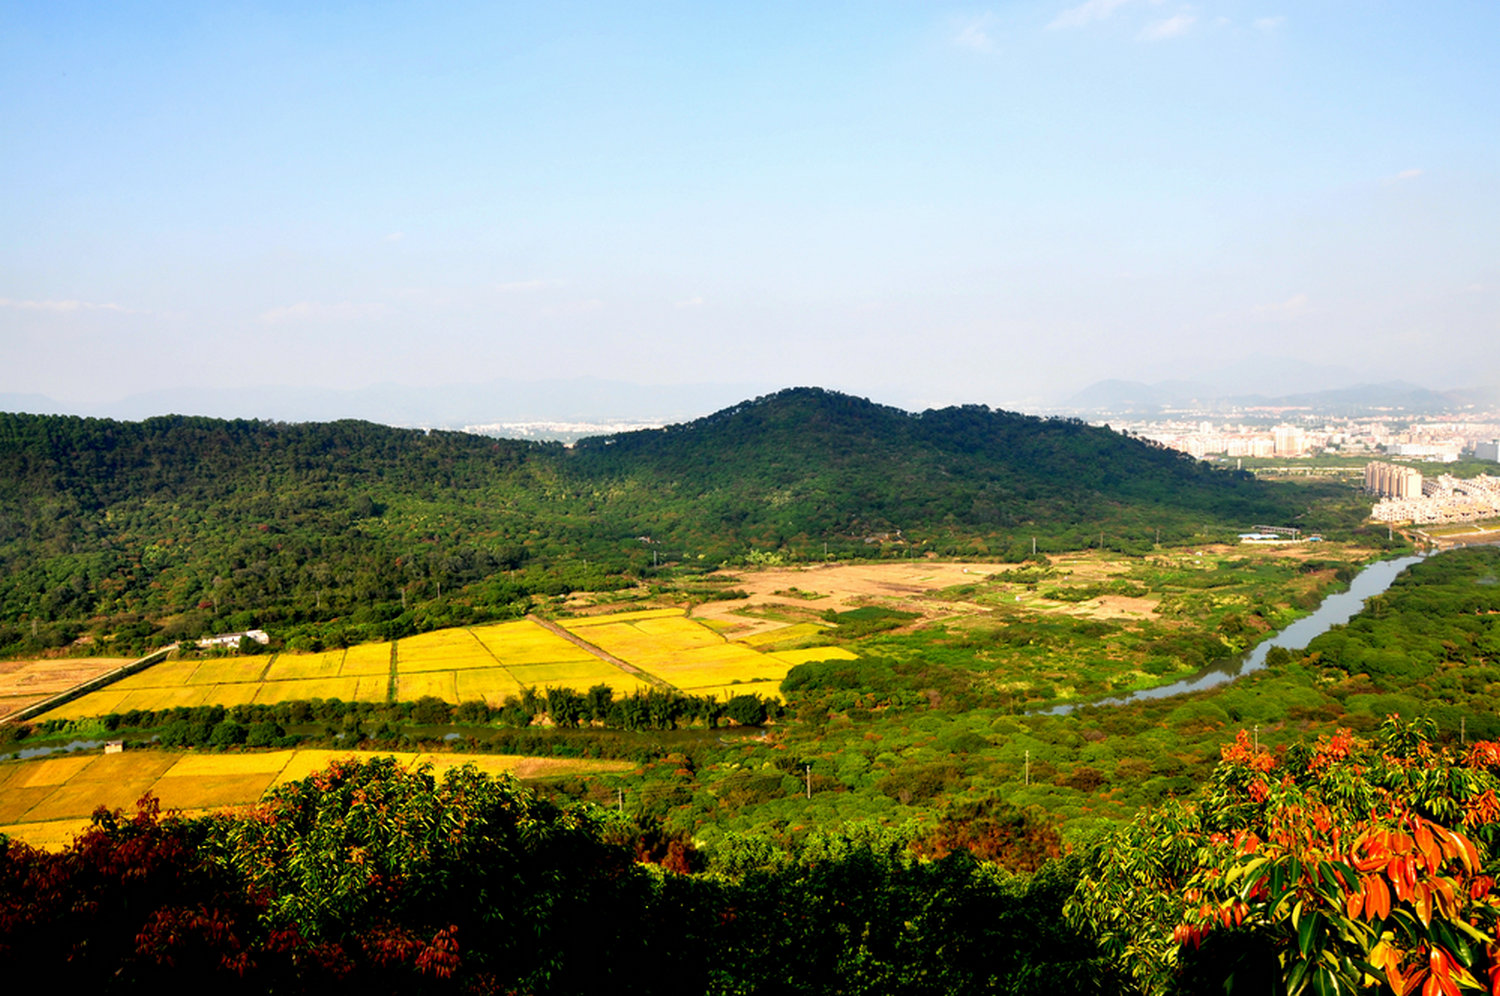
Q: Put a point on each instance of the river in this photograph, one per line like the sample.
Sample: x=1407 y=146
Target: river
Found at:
x=1335 y=610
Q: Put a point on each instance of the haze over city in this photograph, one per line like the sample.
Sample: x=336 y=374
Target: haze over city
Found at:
x=921 y=203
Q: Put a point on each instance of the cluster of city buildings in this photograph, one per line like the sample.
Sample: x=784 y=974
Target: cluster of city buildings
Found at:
x=1435 y=440
x=1391 y=480
x=1407 y=497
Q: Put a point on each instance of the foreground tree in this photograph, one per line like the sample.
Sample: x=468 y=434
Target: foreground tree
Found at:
x=1346 y=866
x=372 y=877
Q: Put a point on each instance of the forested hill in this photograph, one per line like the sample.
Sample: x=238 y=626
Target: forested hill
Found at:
x=836 y=463
x=160 y=528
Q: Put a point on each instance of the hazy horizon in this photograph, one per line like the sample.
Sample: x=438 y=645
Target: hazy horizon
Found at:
x=924 y=204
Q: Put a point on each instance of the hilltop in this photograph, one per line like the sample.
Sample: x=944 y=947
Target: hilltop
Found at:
x=144 y=530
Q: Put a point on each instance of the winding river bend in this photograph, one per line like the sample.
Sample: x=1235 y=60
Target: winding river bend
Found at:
x=1335 y=610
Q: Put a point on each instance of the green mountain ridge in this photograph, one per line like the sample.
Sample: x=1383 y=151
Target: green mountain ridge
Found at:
x=157 y=528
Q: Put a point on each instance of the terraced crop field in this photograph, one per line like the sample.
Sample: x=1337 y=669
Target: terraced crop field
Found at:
x=489 y=663
x=46 y=802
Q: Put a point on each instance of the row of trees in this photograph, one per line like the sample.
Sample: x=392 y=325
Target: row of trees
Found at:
x=403 y=723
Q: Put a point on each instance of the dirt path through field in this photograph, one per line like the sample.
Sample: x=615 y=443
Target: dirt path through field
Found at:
x=598 y=652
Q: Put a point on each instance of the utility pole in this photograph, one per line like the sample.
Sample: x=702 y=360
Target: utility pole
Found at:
x=1028 y=767
x=809 y=781
x=1257 y=738
x=620 y=798
x=1033 y=546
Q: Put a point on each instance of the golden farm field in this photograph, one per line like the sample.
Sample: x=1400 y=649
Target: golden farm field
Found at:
x=691 y=656
x=484 y=663
x=46 y=802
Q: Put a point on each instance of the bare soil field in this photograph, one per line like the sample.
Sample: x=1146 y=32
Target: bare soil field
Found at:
x=779 y=596
x=787 y=591
x=24 y=683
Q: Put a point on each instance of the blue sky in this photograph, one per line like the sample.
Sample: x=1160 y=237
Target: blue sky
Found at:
x=922 y=202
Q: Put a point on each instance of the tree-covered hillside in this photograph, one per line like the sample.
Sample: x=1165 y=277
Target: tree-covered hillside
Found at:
x=176 y=525
x=804 y=464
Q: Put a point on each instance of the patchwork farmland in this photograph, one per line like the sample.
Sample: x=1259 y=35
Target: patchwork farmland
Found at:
x=46 y=802
x=627 y=652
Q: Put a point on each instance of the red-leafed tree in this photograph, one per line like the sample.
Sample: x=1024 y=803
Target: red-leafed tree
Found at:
x=127 y=904
x=1348 y=865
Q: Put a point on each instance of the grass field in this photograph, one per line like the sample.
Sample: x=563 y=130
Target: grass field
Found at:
x=489 y=663
x=46 y=802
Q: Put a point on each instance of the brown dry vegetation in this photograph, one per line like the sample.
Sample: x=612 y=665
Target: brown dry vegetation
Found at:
x=844 y=586
x=25 y=683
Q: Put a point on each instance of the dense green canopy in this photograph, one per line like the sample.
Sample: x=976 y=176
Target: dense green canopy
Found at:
x=178 y=525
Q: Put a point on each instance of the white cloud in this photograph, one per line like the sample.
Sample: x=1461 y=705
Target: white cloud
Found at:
x=1290 y=308
x=975 y=34
x=1172 y=27
x=67 y=306
x=1408 y=174
x=1269 y=23
x=692 y=302
x=1086 y=13
x=395 y=237
x=317 y=311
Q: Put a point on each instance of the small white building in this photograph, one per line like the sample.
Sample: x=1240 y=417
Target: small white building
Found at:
x=232 y=640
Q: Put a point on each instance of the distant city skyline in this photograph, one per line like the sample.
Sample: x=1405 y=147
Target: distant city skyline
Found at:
x=921 y=203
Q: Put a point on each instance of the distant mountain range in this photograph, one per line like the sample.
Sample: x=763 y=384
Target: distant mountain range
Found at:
x=568 y=409
x=1135 y=397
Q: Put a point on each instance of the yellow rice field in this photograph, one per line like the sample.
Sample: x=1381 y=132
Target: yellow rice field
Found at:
x=487 y=663
x=796 y=631
x=46 y=802
x=367 y=659
x=615 y=617
x=290 y=667
x=690 y=656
